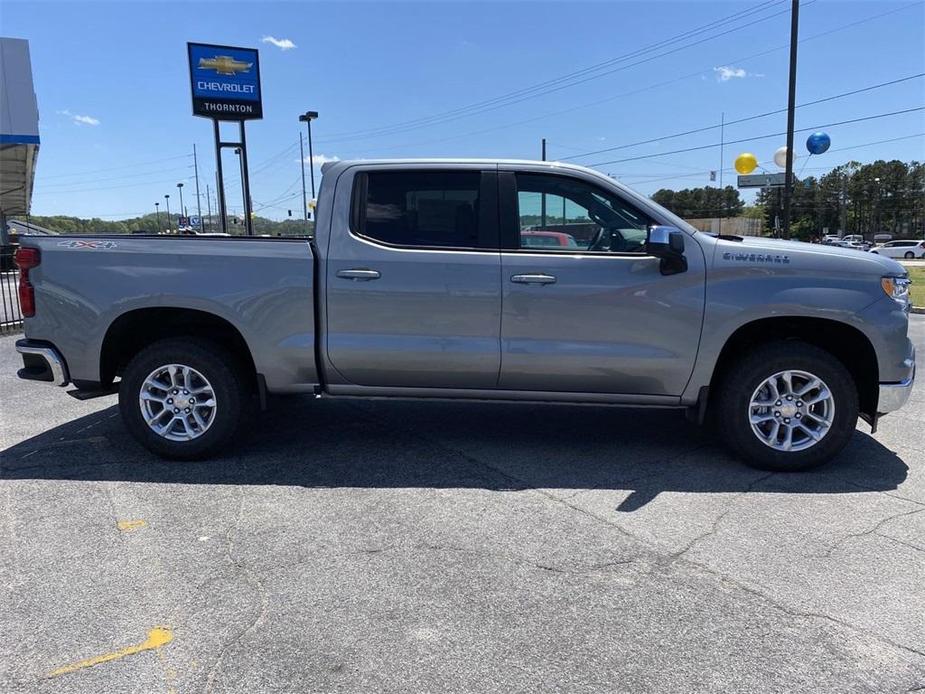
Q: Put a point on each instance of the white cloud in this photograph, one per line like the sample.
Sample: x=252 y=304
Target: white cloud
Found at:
x=282 y=44
x=320 y=159
x=724 y=73
x=77 y=119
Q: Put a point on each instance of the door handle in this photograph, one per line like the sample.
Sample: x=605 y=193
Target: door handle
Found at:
x=536 y=278
x=359 y=274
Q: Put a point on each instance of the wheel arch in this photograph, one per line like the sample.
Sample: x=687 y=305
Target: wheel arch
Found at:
x=845 y=342
x=134 y=330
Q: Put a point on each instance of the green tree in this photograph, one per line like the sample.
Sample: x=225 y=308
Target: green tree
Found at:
x=695 y=203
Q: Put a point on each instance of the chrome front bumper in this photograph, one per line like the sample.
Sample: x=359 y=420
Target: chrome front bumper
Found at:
x=42 y=362
x=895 y=395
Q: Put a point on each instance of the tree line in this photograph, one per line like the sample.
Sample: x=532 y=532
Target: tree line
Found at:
x=153 y=224
x=881 y=197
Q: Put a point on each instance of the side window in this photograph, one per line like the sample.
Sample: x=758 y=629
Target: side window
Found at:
x=419 y=208
x=557 y=213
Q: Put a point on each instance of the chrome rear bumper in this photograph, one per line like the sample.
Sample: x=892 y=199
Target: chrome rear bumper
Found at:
x=42 y=362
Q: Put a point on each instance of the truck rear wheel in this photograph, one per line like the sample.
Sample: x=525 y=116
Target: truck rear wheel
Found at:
x=182 y=398
x=787 y=406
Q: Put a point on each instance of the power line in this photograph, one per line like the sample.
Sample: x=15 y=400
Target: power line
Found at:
x=118 y=168
x=69 y=184
x=628 y=178
x=551 y=114
x=760 y=137
x=550 y=86
x=129 y=185
x=745 y=119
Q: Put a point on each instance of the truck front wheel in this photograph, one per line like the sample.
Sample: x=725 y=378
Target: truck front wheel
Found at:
x=182 y=398
x=787 y=406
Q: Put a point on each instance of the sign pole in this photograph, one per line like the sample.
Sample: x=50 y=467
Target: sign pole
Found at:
x=245 y=178
x=219 y=180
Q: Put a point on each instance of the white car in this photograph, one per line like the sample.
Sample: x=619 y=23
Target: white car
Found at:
x=901 y=249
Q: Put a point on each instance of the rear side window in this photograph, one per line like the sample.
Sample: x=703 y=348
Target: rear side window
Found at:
x=422 y=209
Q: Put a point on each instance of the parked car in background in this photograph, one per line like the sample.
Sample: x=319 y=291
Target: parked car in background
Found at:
x=907 y=249
x=547 y=239
x=882 y=238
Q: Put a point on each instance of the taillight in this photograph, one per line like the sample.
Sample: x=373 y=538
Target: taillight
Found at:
x=26 y=259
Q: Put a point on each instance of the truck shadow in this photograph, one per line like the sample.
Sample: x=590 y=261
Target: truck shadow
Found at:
x=375 y=444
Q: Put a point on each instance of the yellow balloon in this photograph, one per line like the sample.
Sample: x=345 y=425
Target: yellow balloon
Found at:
x=746 y=163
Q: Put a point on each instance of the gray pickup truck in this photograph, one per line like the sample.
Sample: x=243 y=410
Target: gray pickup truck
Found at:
x=489 y=280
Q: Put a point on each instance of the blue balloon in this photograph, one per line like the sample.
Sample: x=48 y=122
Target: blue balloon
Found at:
x=818 y=143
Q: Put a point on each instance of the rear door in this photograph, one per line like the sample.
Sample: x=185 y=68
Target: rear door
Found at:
x=600 y=318
x=413 y=286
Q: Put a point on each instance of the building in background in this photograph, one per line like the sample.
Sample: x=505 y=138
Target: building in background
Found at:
x=19 y=132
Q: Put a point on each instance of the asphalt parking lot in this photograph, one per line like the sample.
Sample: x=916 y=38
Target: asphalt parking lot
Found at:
x=349 y=546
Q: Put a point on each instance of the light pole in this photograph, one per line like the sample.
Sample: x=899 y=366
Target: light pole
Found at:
x=180 y=188
x=157 y=213
x=304 y=197
x=167 y=198
x=307 y=118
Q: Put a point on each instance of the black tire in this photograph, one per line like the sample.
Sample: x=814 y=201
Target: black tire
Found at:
x=745 y=376
x=223 y=372
x=909 y=255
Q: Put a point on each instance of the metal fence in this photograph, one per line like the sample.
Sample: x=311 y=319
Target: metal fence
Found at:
x=10 y=312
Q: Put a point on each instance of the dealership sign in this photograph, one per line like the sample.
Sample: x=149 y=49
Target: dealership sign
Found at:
x=225 y=82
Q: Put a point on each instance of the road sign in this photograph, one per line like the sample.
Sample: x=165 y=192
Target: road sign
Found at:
x=774 y=180
x=225 y=82
x=183 y=221
x=195 y=222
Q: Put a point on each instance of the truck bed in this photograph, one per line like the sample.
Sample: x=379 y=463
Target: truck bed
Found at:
x=261 y=285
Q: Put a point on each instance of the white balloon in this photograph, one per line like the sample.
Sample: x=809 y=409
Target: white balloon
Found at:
x=780 y=157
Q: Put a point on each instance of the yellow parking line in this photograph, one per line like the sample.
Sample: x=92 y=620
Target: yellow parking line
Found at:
x=128 y=526
x=157 y=637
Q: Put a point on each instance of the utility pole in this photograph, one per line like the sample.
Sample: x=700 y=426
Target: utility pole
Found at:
x=220 y=209
x=304 y=199
x=791 y=107
x=167 y=199
x=157 y=213
x=722 y=191
x=543 y=195
x=196 y=171
x=209 y=205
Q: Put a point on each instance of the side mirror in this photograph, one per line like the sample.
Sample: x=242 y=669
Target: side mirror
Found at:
x=667 y=244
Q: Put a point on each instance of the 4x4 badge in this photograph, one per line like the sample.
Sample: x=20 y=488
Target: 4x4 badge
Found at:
x=87 y=244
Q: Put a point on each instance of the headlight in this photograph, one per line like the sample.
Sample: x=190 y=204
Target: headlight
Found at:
x=897 y=288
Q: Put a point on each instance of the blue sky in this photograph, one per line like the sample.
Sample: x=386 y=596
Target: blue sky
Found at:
x=117 y=130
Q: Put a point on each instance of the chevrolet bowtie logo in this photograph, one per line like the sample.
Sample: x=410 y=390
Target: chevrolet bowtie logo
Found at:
x=224 y=65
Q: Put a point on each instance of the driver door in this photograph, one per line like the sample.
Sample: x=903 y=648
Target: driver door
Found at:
x=584 y=309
